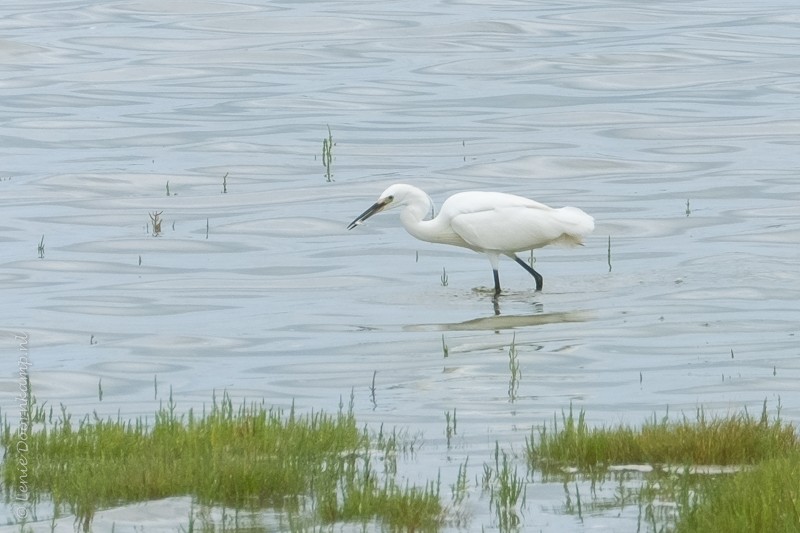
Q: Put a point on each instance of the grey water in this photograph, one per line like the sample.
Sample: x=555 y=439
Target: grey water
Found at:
x=675 y=124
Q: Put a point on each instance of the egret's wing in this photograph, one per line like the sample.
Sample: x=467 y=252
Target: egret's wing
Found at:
x=507 y=223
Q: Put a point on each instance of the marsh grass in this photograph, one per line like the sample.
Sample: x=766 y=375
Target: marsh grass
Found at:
x=321 y=469
x=459 y=489
x=514 y=370
x=248 y=457
x=327 y=155
x=451 y=426
x=507 y=489
x=155 y=218
x=739 y=439
x=766 y=498
x=689 y=489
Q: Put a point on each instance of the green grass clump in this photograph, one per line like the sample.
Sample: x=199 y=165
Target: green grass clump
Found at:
x=413 y=508
x=765 y=498
x=740 y=439
x=251 y=457
x=762 y=492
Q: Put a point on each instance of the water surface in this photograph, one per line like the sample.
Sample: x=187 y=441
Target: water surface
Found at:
x=675 y=124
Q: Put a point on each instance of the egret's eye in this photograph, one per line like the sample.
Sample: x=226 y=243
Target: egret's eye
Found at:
x=389 y=199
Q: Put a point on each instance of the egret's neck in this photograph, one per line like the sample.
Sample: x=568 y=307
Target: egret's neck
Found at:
x=413 y=217
x=436 y=230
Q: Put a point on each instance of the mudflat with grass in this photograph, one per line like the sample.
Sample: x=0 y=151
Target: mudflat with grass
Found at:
x=734 y=473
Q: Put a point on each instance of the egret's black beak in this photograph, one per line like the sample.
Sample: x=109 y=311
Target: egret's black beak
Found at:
x=377 y=207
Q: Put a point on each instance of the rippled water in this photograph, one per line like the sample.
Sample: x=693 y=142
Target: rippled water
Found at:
x=675 y=124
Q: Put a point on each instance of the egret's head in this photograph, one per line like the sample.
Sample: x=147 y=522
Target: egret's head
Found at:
x=392 y=197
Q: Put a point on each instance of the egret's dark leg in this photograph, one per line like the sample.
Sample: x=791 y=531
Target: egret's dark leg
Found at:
x=532 y=272
x=496 y=282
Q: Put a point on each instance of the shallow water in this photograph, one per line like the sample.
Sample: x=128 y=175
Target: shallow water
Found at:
x=674 y=124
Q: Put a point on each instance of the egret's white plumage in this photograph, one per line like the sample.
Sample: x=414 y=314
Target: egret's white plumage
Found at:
x=492 y=223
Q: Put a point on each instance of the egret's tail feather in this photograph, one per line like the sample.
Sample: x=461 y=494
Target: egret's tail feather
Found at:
x=577 y=226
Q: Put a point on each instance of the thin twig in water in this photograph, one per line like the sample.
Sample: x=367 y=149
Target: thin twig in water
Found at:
x=372 y=390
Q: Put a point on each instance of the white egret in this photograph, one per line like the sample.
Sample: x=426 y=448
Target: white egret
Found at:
x=492 y=223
